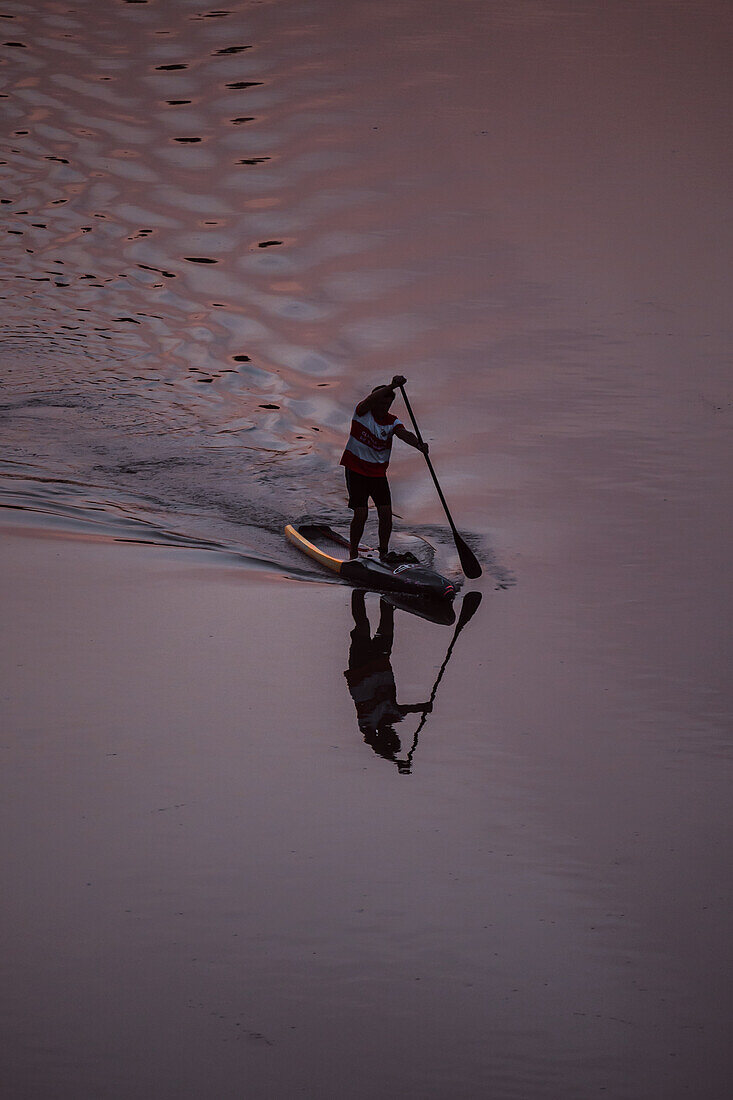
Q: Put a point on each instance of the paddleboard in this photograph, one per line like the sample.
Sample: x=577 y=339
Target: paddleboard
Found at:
x=407 y=578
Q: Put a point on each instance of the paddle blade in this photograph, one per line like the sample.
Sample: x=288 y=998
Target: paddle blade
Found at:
x=469 y=561
x=469 y=607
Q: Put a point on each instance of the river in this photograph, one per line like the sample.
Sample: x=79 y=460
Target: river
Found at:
x=222 y=228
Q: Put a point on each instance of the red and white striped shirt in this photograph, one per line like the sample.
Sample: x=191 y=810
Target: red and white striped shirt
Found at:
x=370 y=444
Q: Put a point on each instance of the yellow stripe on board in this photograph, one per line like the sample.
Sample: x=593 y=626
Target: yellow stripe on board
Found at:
x=293 y=535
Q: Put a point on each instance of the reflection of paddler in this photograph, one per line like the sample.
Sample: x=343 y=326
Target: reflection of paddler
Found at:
x=371 y=679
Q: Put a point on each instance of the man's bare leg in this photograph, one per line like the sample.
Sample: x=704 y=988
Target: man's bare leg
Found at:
x=357 y=530
x=385 y=528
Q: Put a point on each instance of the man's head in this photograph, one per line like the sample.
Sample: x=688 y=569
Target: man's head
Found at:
x=384 y=400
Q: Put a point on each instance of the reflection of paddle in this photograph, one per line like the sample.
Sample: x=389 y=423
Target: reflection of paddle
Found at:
x=468 y=609
x=469 y=562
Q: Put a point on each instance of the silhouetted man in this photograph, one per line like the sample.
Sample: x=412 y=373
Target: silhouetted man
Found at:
x=366 y=458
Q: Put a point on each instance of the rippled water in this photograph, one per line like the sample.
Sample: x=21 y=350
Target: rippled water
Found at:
x=222 y=226
x=217 y=231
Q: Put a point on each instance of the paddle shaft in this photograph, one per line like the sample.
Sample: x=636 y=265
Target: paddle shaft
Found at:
x=427 y=459
x=469 y=562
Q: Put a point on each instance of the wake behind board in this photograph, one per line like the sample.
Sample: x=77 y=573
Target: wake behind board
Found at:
x=407 y=579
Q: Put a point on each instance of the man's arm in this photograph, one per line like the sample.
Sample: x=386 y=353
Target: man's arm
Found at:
x=408 y=437
x=415 y=708
x=381 y=391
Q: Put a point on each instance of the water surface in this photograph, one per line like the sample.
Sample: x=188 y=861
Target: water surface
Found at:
x=223 y=226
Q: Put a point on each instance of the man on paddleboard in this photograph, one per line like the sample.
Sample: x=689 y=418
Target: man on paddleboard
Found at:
x=366 y=459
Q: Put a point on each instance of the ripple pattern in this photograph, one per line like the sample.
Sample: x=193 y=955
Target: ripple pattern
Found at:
x=200 y=249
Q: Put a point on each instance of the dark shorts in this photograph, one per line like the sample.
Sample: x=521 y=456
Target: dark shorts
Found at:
x=360 y=488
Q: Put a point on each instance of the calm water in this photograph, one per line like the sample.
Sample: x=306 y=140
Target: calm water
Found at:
x=223 y=226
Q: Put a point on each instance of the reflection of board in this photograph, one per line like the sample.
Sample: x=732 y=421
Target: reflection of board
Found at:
x=435 y=611
x=409 y=579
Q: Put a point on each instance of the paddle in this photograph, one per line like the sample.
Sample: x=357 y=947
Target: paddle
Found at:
x=469 y=562
x=468 y=609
